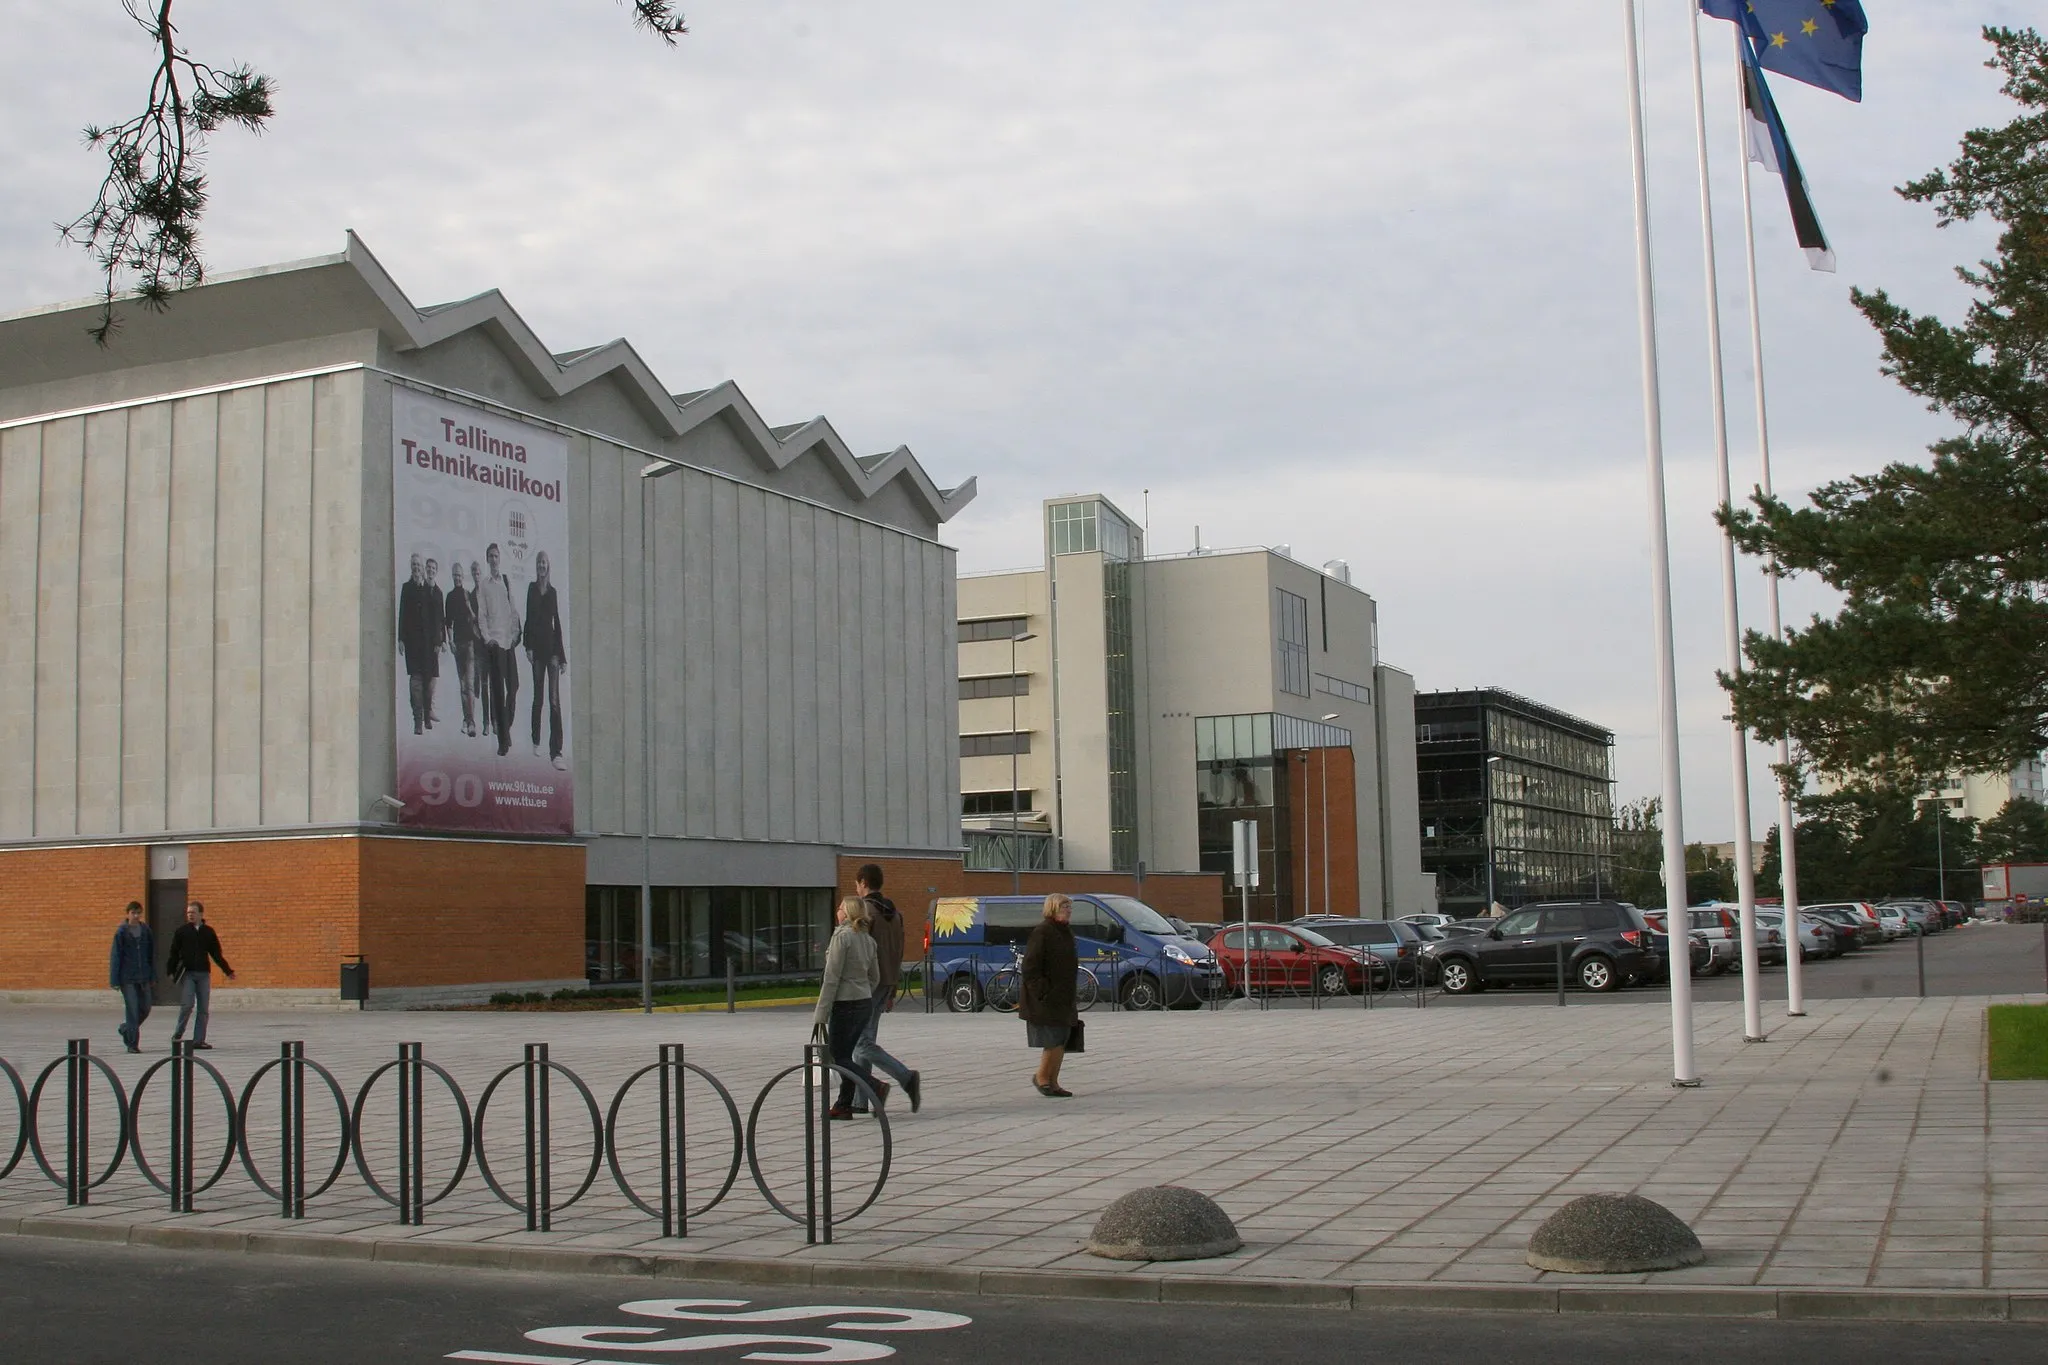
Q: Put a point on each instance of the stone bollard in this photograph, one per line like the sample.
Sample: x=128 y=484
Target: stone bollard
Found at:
x=1164 y=1223
x=1613 y=1234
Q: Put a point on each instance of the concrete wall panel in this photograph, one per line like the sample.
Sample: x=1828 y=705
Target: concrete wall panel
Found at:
x=102 y=546
x=287 y=598
x=145 y=652
x=189 y=704
x=21 y=495
x=59 y=519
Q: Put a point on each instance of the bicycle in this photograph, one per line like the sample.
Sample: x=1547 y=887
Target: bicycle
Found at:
x=1004 y=991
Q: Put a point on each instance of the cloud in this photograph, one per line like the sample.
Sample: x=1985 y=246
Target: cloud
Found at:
x=1358 y=278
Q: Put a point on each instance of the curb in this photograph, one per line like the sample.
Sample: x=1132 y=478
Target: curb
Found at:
x=1717 y=1301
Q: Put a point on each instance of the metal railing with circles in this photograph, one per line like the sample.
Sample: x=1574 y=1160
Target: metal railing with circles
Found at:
x=535 y=1081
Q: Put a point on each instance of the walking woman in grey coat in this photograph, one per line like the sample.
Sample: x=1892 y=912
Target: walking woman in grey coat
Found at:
x=846 y=999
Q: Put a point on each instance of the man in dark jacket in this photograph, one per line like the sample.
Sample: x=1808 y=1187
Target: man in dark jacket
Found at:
x=419 y=640
x=459 y=613
x=131 y=970
x=547 y=654
x=887 y=928
x=195 y=947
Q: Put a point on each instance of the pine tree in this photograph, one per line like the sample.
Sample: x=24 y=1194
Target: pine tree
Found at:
x=1938 y=659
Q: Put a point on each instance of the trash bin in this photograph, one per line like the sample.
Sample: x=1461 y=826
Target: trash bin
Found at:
x=355 y=981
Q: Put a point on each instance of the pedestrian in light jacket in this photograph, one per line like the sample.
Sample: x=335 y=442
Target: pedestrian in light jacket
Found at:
x=846 y=998
x=131 y=970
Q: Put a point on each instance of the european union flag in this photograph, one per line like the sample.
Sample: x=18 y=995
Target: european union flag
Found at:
x=1819 y=42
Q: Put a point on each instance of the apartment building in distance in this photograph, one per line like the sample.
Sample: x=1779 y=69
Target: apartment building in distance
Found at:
x=1119 y=712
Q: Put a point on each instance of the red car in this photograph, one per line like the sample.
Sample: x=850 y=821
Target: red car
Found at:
x=1288 y=959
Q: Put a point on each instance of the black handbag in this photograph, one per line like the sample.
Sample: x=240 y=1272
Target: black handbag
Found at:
x=1077 y=1037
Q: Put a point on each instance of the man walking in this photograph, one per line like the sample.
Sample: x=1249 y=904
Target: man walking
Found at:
x=498 y=623
x=131 y=970
x=194 y=948
x=547 y=653
x=887 y=927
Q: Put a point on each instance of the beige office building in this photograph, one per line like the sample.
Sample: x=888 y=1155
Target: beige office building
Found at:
x=1137 y=706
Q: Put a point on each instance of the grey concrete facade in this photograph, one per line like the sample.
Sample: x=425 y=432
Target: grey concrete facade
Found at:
x=196 y=578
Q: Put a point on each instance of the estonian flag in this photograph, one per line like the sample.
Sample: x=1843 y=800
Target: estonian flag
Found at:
x=1772 y=149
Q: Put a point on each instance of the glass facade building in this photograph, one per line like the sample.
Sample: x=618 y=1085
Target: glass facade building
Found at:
x=1516 y=800
x=1243 y=771
x=1092 y=526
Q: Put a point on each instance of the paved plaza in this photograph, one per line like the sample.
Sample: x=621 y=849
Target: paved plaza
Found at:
x=1860 y=1147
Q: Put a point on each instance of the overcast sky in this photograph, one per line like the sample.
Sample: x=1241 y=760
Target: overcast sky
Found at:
x=1352 y=276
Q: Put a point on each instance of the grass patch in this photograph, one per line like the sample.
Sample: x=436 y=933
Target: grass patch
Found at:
x=2019 y=1042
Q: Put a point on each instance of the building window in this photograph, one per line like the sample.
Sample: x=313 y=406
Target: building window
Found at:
x=1073 y=528
x=998 y=685
x=1337 y=687
x=1002 y=742
x=697 y=931
x=1291 y=625
x=1000 y=628
x=994 y=803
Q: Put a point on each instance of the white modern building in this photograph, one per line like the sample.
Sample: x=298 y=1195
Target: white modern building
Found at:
x=1120 y=711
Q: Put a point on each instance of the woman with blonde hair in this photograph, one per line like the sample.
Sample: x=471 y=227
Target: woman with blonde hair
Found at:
x=1051 y=965
x=845 y=999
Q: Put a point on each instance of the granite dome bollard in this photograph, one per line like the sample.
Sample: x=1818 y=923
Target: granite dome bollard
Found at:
x=1613 y=1234
x=1164 y=1223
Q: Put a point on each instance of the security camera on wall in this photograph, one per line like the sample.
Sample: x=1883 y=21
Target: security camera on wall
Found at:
x=391 y=803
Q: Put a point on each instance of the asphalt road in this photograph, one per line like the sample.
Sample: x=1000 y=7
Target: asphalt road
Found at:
x=64 y=1303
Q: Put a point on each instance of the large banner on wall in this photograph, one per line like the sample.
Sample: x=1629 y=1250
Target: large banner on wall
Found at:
x=481 y=537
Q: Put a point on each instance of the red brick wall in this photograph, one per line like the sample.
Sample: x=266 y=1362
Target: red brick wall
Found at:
x=440 y=912
x=61 y=906
x=427 y=912
x=913 y=883
x=1311 y=773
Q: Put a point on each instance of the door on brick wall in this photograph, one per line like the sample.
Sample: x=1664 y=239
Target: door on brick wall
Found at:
x=166 y=914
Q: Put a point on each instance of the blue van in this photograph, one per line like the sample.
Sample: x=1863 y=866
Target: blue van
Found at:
x=1128 y=945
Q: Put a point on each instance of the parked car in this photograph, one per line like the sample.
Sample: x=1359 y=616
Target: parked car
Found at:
x=1386 y=938
x=1290 y=957
x=1606 y=944
x=1864 y=931
x=1920 y=915
x=1816 y=937
x=1894 y=922
x=1202 y=930
x=1125 y=943
x=1470 y=926
x=1428 y=918
x=1850 y=928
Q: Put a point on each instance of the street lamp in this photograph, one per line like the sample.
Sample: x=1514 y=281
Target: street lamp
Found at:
x=652 y=471
x=1016 y=836
x=1326 y=817
x=1486 y=824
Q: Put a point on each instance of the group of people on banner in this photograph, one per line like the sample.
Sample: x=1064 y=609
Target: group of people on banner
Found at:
x=477 y=621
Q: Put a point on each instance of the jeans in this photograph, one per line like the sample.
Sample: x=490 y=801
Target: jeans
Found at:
x=420 y=688
x=868 y=1052
x=196 y=990
x=849 y=1017
x=501 y=677
x=466 y=680
x=135 y=999
x=547 y=682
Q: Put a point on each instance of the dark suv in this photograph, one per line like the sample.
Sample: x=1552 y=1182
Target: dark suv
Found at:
x=1606 y=944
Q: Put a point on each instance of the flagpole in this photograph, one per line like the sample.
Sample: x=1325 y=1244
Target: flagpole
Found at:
x=1683 y=1072
x=1745 y=864
x=1788 y=856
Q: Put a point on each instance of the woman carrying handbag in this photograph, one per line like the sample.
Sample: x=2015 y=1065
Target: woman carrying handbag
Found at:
x=1052 y=1022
